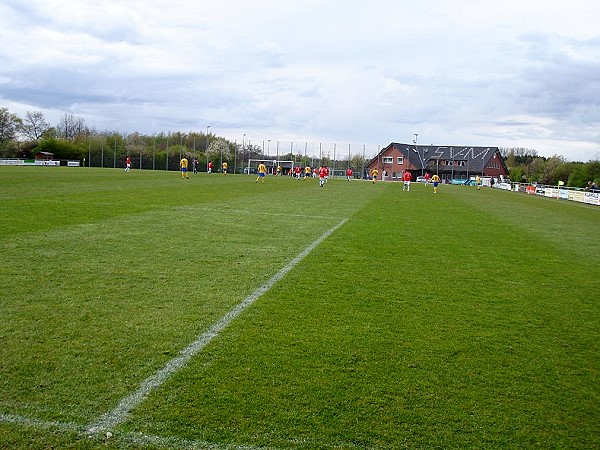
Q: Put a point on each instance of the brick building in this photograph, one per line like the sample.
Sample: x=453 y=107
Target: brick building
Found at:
x=450 y=163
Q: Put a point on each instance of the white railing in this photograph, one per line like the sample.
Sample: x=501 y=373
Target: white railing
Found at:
x=559 y=192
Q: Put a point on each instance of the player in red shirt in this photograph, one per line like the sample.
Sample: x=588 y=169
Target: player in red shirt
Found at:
x=210 y=166
x=322 y=175
x=427 y=178
x=128 y=164
x=407 y=177
x=298 y=171
x=349 y=173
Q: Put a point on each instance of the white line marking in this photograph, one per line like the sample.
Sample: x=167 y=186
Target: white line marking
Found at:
x=119 y=414
x=21 y=420
x=145 y=440
x=134 y=438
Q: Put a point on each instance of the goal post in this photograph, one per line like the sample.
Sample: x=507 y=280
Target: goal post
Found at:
x=271 y=165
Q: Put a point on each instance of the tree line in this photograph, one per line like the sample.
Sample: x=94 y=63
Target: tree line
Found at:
x=526 y=166
x=72 y=139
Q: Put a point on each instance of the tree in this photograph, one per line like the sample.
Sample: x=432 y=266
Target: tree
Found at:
x=584 y=172
x=62 y=149
x=514 y=157
x=518 y=174
x=535 y=169
x=9 y=126
x=34 y=125
x=358 y=163
x=551 y=170
x=71 y=127
x=219 y=150
x=254 y=152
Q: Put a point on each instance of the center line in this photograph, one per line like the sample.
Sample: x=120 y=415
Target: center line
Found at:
x=119 y=414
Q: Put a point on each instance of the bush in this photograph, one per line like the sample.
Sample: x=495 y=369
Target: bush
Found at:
x=61 y=149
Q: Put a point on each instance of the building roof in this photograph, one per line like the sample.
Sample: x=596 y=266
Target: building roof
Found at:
x=426 y=156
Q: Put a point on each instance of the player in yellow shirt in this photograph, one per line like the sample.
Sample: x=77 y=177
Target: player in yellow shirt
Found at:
x=224 y=168
x=183 y=165
x=262 y=171
x=374 y=174
x=307 y=172
x=436 y=181
x=478 y=182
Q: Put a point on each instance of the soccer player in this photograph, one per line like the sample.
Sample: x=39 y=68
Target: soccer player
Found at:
x=195 y=165
x=262 y=171
x=326 y=173
x=436 y=181
x=427 y=178
x=407 y=177
x=225 y=168
x=374 y=174
x=128 y=164
x=349 y=173
x=298 y=170
x=183 y=165
x=478 y=182
x=210 y=166
x=307 y=172
x=322 y=176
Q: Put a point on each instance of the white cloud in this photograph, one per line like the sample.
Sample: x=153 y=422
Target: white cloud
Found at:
x=516 y=73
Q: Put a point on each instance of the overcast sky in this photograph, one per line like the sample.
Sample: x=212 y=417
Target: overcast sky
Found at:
x=510 y=73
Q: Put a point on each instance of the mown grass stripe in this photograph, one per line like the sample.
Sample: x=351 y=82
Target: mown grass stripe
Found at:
x=121 y=411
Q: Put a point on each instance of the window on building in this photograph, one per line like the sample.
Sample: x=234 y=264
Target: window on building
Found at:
x=400 y=160
x=387 y=160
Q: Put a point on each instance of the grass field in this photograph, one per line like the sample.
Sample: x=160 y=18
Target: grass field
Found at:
x=370 y=318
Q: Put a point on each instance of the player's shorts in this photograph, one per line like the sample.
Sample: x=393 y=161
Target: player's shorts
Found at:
x=435 y=183
x=184 y=169
x=261 y=174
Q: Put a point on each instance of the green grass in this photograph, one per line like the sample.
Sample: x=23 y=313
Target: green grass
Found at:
x=466 y=319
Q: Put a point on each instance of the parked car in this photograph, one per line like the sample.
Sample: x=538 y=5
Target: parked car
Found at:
x=421 y=180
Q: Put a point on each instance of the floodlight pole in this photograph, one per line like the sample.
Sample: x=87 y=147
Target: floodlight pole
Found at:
x=206 y=150
x=243 y=151
x=235 y=152
x=417 y=152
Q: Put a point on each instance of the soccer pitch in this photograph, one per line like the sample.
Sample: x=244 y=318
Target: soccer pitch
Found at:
x=140 y=310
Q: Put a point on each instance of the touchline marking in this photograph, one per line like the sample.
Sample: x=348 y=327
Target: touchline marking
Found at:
x=40 y=423
x=118 y=415
x=135 y=438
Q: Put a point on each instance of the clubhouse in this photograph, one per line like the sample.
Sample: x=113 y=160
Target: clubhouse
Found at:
x=448 y=162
